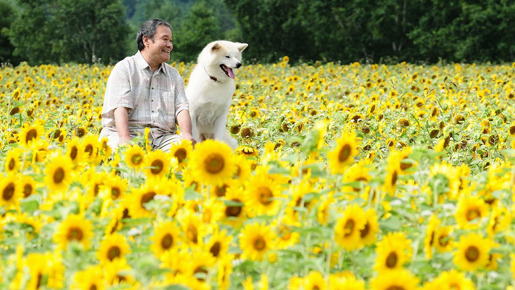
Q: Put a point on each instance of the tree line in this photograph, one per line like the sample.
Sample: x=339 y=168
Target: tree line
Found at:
x=385 y=31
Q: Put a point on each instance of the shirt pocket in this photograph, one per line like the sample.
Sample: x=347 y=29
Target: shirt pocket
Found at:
x=168 y=105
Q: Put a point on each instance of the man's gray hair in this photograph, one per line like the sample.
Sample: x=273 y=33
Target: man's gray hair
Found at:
x=148 y=28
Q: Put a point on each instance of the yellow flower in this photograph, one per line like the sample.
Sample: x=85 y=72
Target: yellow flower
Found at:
x=286 y=236
x=218 y=244
x=113 y=247
x=315 y=280
x=344 y=152
x=165 y=238
x=235 y=209
x=345 y=282
x=470 y=212
x=13 y=160
x=157 y=164
x=90 y=145
x=349 y=226
x=212 y=163
x=443 y=239
x=142 y=195
x=114 y=187
x=429 y=239
x=392 y=252
x=58 y=173
x=30 y=133
x=262 y=195
x=500 y=221
x=255 y=241
x=193 y=229
x=400 y=279
x=181 y=151
x=11 y=191
x=247 y=151
x=472 y=252
x=134 y=156
x=75 y=151
x=368 y=235
x=90 y=278
x=74 y=228
x=454 y=280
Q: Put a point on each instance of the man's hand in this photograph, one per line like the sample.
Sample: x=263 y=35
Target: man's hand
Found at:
x=189 y=137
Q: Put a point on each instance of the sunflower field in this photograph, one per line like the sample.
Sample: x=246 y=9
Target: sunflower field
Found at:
x=358 y=176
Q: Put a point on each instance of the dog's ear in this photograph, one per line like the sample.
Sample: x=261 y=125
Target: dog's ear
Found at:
x=215 y=47
x=241 y=46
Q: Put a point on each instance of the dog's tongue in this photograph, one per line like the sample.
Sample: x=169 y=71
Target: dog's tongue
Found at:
x=230 y=72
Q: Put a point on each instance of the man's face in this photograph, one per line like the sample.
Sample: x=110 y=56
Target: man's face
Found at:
x=160 y=47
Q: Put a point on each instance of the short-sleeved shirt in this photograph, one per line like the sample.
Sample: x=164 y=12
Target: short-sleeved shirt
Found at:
x=154 y=99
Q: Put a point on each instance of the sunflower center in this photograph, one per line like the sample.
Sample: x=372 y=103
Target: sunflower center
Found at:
x=395 y=287
x=11 y=165
x=192 y=233
x=348 y=228
x=394 y=178
x=391 y=260
x=364 y=232
x=167 y=241
x=73 y=152
x=233 y=211
x=215 y=249
x=259 y=244
x=156 y=167
x=405 y=164
x=31 y=134
x=221 y=190
x=58 y=175
x=472 y=253
x=136 y=159
x=8 y=191
x=443 y=241
x=74 y=234
x=27 y=190
x=147 y=197
x=93 y=287
x=89 y=149
x=344 y=153
x=115 y=192
x=113 y=253
x=180 y=154
x=214 y=163
x=200 y=270
x=472 y=214
x=265 y=195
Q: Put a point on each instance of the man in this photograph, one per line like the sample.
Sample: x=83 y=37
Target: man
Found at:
x=144 y=91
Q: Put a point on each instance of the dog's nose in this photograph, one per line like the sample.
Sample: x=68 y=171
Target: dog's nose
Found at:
x=238 y=65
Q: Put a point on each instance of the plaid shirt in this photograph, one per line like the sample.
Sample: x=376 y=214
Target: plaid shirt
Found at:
x=153 y=99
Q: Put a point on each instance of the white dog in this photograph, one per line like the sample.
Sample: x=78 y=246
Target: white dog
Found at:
x=210 y=90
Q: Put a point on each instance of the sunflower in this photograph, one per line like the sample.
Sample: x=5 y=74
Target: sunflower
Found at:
x=400 y=279
x=443 y=239
x=75 y=151
x=200 y=264
x=392 y=252
x=91 y=146
x=114 y=187
x=192 y=228
x=470 y=212
x=429 y=239
x=368 y=235
x=118 y=273
x=349 y=226
x=262 y=195
x=211 y=162
x=30 y=133
x=247 y=151
x=157 y=164
x=445 y=181
x=314 y=280
x=243 y=168
x=286 y=234
x=345 y=282
x=90 y=278
x=255 y=240
x=212 y=211
x=58 y=173
x=357 y=177
x=234 y=207
x=11 y=190
x=472 y=252
x=135 y=156
x=142 y=195
x=500 y=221
x=12 y=161
x=218 y=244
x=74 y=228
x=38 y=268
x=181 y=151
x=454 y=280
x=165 y=238
x=323 y=210
x=113 y=247
x=344 y=152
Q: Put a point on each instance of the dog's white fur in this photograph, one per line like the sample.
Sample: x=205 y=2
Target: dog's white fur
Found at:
x=210 y=90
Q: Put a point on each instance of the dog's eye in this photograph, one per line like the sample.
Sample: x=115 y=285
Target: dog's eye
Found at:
x=227 y=56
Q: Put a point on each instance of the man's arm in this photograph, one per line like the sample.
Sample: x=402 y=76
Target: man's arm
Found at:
x=121 y=121
x=184 y=122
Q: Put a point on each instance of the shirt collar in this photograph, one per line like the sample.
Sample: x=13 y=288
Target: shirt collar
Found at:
x=143 y=64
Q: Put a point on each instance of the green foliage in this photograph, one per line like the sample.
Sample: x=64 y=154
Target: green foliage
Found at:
x=7 y=15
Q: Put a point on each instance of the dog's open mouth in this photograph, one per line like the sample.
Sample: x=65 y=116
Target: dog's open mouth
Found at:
x=227 y=70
